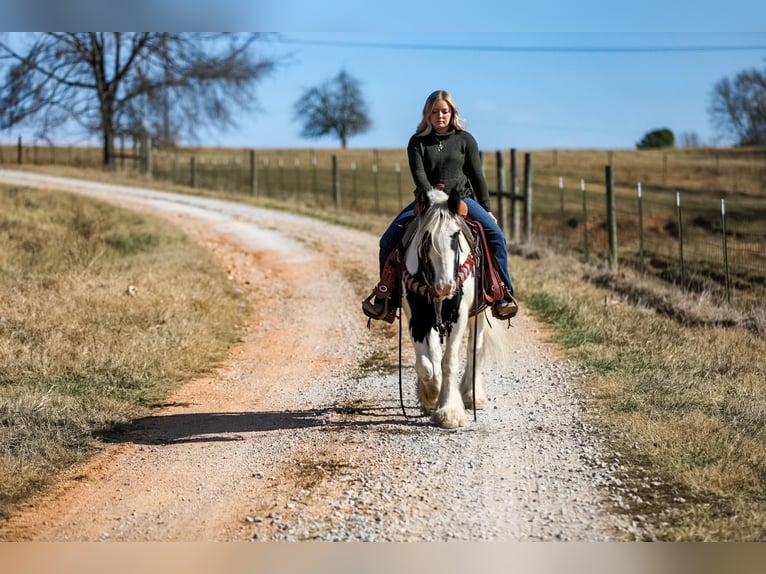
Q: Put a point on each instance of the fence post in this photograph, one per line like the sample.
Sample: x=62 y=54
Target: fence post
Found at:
x=527 y=197
x=19 y=153
x=375 y=186
x=399 y=184
x=147 y=155
x=353 y=184
x=253 y=174
x=314 y=182
x=561 y=198
x=585 y=220
x=193 y=170
x=641 y=230
x=500 y=170
x=515 y=207
x=725 y=252
x=681 y=241
x=611 y=218
x=336 y=181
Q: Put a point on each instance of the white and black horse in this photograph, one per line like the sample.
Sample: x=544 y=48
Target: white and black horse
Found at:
x=439 y=288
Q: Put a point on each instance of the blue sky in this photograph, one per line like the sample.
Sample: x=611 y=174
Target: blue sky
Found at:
x=522 y=99
x=542 y=96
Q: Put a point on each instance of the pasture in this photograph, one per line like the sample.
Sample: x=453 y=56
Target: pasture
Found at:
x=692 y=247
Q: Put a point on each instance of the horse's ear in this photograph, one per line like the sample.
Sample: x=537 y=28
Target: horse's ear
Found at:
x=422 y=202
x=453 y=203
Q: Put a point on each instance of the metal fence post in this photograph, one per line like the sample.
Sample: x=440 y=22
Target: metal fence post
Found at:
x=725 y=252
x=611 y=218
x=193 y=172
x=641 y=230
x=19 y=153
x=681 y=241
x=584 y=220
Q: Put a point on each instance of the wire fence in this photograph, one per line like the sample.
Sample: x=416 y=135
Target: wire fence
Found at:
x=701 y=237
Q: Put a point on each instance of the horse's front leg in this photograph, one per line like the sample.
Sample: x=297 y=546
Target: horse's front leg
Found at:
x=449 y=412
x=428 y=357
x=472 y=383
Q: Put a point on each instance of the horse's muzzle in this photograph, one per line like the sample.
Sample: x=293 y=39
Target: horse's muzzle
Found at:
x=445 y=288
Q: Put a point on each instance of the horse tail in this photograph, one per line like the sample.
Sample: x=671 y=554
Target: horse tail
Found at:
x=496 y=349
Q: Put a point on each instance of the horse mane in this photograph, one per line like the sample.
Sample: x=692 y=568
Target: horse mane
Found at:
x=437 y=215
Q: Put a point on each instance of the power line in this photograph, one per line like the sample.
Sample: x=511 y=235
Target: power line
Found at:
x=541 y=49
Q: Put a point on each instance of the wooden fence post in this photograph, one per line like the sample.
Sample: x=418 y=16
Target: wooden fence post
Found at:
x=193 y=172
x=527 y=197
x=500 y=171
x=611 y=219
x=19 y=153
x=253 y=174
x=515 y=197
x=336 y=181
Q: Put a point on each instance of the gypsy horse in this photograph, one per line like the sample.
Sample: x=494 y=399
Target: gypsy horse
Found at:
x=439 y=287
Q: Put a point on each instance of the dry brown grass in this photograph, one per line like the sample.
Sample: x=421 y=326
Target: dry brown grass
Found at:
x=77 y=354
x=677 y=388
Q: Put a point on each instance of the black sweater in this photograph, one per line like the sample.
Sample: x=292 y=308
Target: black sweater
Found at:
x=457 y=164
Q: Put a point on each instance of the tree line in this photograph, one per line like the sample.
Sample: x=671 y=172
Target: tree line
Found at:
x=169 y=85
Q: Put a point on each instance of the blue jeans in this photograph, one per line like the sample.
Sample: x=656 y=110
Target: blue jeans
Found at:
x=495 y=236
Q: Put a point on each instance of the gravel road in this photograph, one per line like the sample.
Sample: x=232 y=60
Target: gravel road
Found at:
x=299 y=434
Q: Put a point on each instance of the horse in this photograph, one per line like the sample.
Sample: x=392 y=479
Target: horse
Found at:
x=439 y=288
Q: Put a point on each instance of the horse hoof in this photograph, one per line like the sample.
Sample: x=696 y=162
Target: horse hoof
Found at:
x=449 y=419
x=480 y=403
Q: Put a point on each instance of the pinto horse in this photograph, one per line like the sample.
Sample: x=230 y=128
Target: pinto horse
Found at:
x=439 y=285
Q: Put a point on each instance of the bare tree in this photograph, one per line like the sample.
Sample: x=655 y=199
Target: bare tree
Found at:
x=738 y=107
x=336 y=107
x=129 y=83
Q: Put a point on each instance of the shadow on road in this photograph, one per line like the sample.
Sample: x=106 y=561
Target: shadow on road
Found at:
x=232 y=426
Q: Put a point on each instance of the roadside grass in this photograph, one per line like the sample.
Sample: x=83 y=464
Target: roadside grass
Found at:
x=77 y=353
x=680 y=397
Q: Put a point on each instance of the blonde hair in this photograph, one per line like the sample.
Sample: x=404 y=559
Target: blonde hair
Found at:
x=455 y=121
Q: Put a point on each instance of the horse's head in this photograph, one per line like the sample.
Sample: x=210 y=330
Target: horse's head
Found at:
x=438 y=248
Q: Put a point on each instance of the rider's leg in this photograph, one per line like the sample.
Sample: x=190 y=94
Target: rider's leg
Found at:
x=507 y=306
x=381 y=307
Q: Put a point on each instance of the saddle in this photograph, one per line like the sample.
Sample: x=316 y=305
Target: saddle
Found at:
x=489 y=281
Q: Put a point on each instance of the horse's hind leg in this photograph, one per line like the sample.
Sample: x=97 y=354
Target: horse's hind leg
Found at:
x=473 y=370
x=429 y=372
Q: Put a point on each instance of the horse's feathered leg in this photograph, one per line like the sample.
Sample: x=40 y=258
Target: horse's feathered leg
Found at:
x=449 y=412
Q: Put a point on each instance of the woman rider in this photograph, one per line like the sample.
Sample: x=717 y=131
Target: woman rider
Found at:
x=443 y=155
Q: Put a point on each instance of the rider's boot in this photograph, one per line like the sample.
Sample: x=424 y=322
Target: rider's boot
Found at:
x=383 y=301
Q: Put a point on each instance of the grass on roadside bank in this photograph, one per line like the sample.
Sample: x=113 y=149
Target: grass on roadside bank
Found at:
x=77 y=353
x=680 y=395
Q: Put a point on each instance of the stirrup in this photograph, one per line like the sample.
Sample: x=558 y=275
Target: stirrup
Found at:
x=509 y=314
x=373 y=310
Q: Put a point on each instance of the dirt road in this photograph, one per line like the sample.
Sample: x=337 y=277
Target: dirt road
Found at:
x=299 y=435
